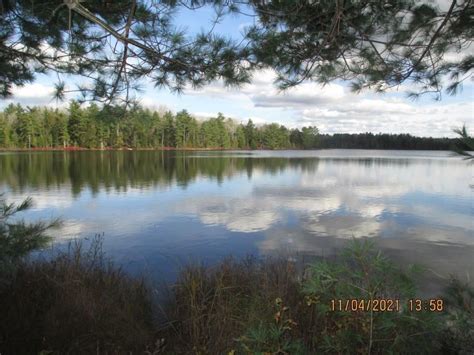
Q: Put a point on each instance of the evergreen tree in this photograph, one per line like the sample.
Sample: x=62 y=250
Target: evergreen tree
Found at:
x=296 y=138
x=17 y=238
x=223 y=136
x=309 y=137
x=374 y=44
x=61 y=130
x=169 y=130
x=210 y=133
x=183 y=128
x=4 y=132
x=193 y=133
x=78 y=36
x=158 y=130
x=250 y=135
x=274 y=137
x=77 y=125
x=241 y=142
x=97 y=127
x=25 y=129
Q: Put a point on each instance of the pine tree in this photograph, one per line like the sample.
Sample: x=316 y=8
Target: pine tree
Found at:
x=240 y=137
x=183 y=123
x=4 y=132
x=17 y=238
x=77 y=127
x=251 y=135
x=372 y=44
x=25 y=129
x=145 y=39
x=309 y=137
x=61 y=127
x=169 y=130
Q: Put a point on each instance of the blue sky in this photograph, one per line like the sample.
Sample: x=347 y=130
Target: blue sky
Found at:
x=333 y=109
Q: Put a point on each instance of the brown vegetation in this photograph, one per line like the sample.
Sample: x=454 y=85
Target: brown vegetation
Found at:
x=213 y=307
x=75 y=303
x=79 y=303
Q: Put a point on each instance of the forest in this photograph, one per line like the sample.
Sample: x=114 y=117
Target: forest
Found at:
x=97 y=127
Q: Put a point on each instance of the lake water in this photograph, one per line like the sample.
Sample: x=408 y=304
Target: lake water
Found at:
x=159 y=210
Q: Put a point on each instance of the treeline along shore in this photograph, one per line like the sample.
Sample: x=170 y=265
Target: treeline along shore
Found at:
x=113 y=127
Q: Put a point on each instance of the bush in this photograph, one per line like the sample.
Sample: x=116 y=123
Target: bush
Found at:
x=78 y=302
x=211 y=307
x=361 y=273
x=458 y=337
x=267 y=307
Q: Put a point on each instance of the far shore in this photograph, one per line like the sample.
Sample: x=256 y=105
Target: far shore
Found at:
x=73 y=149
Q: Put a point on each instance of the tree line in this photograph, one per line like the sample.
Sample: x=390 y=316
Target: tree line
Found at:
x=384 y=141
x=115 y=127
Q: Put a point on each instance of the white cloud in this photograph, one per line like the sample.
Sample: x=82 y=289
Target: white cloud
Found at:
x=35 y=94
x=32 y=91
x=334 y=109
x=391 y=116
x=201 y=116
x=154 y=104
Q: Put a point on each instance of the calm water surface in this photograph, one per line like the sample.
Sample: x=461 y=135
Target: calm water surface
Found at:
x=158 y=210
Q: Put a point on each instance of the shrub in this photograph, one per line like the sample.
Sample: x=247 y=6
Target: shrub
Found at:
x=267 y=307
x=77 y=302
x=211 y=307
x=458 y=336
x=273 y=337
x=362 y=273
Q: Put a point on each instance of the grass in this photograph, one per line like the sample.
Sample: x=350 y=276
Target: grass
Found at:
x=212 y=307
x=79 y=303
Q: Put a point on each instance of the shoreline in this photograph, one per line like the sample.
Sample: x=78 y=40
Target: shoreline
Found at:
x=75 y=149
x=236 y=306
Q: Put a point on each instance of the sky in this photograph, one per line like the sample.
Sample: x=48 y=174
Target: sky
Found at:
x=332 y=108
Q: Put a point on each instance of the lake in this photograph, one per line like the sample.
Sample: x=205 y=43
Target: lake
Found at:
x=159 y=210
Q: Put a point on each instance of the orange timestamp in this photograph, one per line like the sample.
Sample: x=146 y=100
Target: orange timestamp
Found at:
x=429 y=305
x=386 y=305
x=365 y=305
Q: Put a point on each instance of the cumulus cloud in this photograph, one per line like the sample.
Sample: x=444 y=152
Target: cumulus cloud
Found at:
x=334 y=108
x=202 y=116
x=391 y=115
x=35 y=94
x=302 y=96
x=155 y=105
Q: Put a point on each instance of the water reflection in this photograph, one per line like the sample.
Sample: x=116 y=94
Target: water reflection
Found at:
x=120 y=170
x=158 y=206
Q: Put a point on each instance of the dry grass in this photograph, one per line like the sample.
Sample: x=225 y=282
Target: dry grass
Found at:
x=77 y=302
x=212 y=307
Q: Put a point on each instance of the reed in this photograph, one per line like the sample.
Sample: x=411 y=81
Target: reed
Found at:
x=79 y=302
